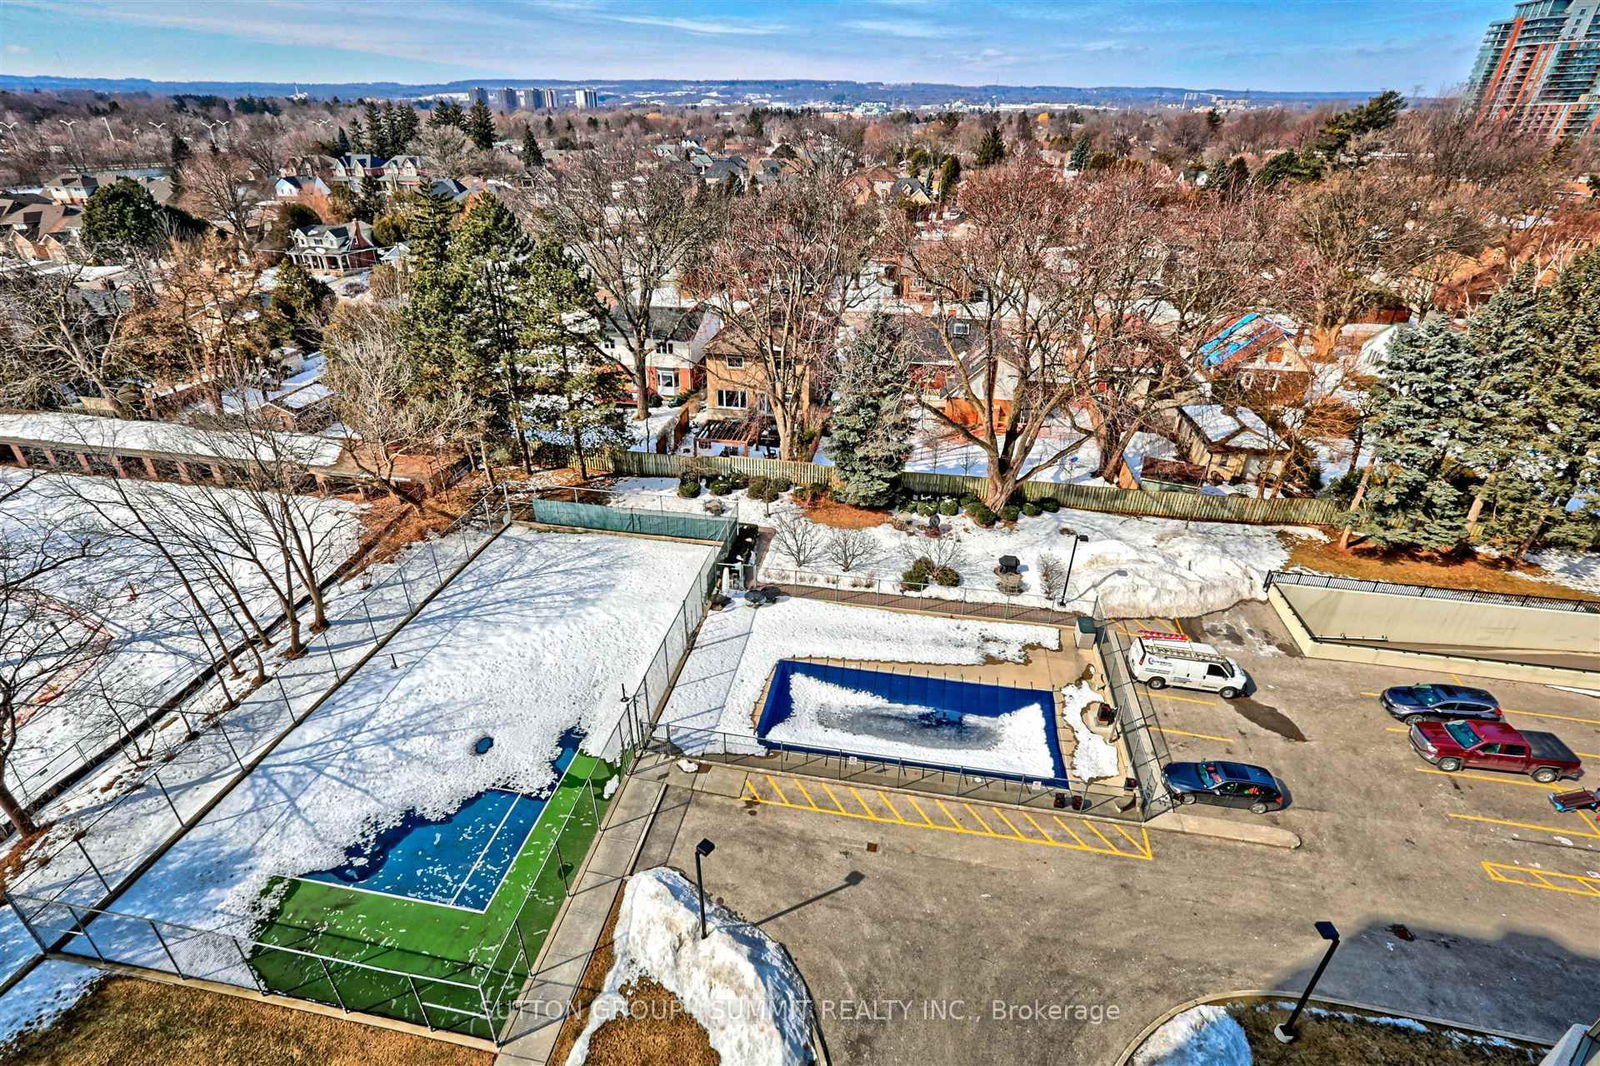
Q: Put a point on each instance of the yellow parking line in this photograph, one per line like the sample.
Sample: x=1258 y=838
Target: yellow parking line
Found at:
x=1125 y=835
x=1095 y=830
x=1457 y=679
x=1070 y=831
x=1550 y=880
x=1135 y=850
x=1587 y=754
x=1177 y=625
x=924 y=814
x=1525 y=825
x=1557 y=717
x=1200 y=736
x=1483 y=777
x=1186 y=699
x=826 y=788
x=1370 y=694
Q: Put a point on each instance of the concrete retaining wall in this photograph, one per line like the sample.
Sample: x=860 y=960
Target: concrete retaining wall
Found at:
x=1342 y=614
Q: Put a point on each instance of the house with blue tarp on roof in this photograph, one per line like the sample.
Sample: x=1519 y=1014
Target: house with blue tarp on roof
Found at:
x=1260 y=352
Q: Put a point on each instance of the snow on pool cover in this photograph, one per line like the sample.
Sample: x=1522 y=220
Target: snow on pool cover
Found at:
x=934 y=722
x=457 y=861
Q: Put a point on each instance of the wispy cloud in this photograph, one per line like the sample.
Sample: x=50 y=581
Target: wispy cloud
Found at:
x=919 y=31
x=708 y=27
x=17 y=50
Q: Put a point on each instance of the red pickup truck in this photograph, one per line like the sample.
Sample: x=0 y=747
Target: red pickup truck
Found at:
x=1460 y=744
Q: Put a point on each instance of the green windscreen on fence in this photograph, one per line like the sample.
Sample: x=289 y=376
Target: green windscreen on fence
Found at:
x=625 y=520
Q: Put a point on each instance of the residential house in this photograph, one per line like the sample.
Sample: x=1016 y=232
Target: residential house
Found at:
x=348 y=168
x=305 y=408
x=911 y=191
x=344 y=247
x=71 y=188
x=37 y=227
x=314 y=165
x=1230 y=443
x=678 y=337
x=299 y=186
x=1259 y=352
x=872 y=183
x=404 y=173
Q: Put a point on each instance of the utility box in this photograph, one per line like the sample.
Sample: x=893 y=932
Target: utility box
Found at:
x=1085 y=632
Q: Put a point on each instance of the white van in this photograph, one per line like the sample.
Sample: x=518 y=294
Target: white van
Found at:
x=1168 y=659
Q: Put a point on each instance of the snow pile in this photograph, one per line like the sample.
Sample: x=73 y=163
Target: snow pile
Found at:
x=1201 y=1036
x=539 y=634
x=738 y=983
x=739 y=646
x=1094 y=757
x=658 y=424
x=1574 y=569
x=833 y=717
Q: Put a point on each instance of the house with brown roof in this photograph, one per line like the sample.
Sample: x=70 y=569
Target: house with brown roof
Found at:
x=677 y=337
x=344 y=247
x=1229 y=443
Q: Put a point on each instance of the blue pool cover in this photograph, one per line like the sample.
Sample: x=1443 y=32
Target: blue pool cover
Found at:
x=458 y=860
x=950 y=703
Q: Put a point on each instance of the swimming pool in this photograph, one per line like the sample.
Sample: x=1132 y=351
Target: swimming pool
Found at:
x=455 y=861
x=933 y=722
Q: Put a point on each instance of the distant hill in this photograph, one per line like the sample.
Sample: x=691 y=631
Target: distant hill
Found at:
x=777 y=92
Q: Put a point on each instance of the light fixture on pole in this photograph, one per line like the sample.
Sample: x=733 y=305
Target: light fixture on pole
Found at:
x=702 y=849
x=1286 y=1032
x=1077 y=539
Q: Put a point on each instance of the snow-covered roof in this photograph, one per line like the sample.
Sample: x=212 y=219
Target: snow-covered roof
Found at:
x=1238 y=427
x=167 y=438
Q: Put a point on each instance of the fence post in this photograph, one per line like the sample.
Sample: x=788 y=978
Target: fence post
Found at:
x=433 y=551
x=16 y=908
x=229 y=741
x=420 y=1007
x=373 y=629
x=90 y=860
x=251 y=970
x=326 y=973
x=561 y=865
x=73 y=911
x=156 y=777
x=170 y=956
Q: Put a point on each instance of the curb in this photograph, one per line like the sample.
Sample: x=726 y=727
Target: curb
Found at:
x=1249 y=994
x=1269 y=836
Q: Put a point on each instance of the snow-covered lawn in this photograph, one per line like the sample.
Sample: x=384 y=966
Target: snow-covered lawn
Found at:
x=739 y=984
x=537 y=636
x=1129 y=567
x=1574 y=569
x=154 y=644
x=1206 y=1035
x=714 y=701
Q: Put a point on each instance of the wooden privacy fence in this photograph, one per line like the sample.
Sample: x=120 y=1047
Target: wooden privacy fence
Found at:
x=1106 y=498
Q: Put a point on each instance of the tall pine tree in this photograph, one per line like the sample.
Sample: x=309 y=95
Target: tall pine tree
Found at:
x=480 y=126
x=991 y=148
x=870 y=429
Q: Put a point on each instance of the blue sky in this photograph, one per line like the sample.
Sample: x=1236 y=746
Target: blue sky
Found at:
x=1409 y=45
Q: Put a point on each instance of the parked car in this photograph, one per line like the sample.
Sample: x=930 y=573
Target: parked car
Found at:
x=1439 y=703
x=1227 y=784
x=1460 y=744
x=1166 y=659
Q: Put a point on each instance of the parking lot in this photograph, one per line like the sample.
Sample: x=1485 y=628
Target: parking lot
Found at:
x=934 y=937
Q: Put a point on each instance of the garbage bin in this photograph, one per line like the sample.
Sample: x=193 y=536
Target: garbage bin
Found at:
x=1085 y=634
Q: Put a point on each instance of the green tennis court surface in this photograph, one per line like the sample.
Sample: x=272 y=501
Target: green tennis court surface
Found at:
x=437 y=965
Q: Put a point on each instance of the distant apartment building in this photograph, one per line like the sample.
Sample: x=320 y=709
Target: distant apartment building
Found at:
x=585 y=99
x=479 y=95
x=537 y=99
x=506 y=99
x=1540 y=70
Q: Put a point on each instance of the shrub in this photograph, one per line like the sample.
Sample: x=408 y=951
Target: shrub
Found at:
x=762 y=489
x=1010 y=512
x=949 y=506
x=917 y=574
x=719 y=487
x=948 y=576
x=782 y=485
x=1032 y=510
x=809 y=493
x=981 y=515
x=1049 y=503
x=735 y=479
x=688 y=487
x=927 y=509
x=968 y=500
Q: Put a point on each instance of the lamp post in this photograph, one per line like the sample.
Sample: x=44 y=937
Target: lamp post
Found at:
x=702 y=849
x=1077 y=539
x=1286 y=1033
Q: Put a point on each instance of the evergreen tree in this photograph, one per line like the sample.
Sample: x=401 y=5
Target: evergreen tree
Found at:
x=298 y=308
x=377 y=142
x=870 y=428
x=342 y=142
x=1289 y=166
x=448 y=113
x=991 y=148
x=120 y=218
x=1024 y=126
x=531 y=155
x=949 y=177
x=1415 y=498
x=549 y=125
x=1079 y=161
x=1494 y=429
x=480 y=126
x=179 y=152
x=575 y=397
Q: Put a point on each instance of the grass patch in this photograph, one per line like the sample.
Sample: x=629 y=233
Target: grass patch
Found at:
x=1328 y=1039
x=442 y=956
x=1373 y=564
x=127 y=1020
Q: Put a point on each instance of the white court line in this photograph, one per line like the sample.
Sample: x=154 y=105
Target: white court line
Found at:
x=516 y=798
x=389 y=895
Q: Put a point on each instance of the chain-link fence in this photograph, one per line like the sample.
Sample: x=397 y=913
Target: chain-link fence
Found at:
x=68 y=910
x=1136 y=720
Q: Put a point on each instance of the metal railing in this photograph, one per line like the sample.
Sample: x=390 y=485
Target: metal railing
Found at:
x=1431 y=592
x=1136 y=721
x=872 y=590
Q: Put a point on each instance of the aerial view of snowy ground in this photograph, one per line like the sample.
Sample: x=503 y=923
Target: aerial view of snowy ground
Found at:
x=714 y=701
x=152 y=637
x=537 y=636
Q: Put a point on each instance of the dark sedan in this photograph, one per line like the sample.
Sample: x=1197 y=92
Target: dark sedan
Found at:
x=1440 y=703
x=1227 y=784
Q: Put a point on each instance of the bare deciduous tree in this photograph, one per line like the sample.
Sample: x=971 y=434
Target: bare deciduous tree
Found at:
x=799 y=540
x=852 y=549
x=222 y=187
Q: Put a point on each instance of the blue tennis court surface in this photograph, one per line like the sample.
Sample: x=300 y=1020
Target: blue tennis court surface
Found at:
x=458 y=861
